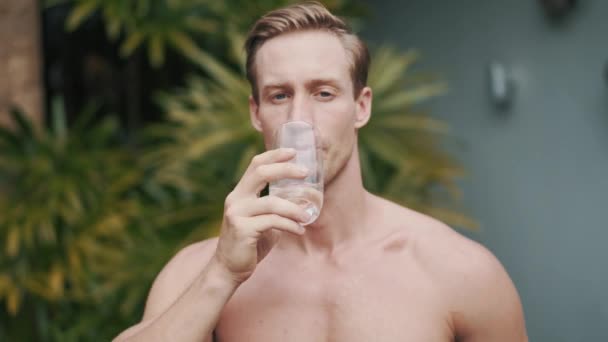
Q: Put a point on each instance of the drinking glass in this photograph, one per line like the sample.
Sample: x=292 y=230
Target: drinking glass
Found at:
x=307 y=192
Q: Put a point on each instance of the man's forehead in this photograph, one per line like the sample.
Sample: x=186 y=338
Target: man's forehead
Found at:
x=301 y=56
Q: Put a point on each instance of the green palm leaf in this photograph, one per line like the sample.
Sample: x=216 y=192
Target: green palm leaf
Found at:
x=399 y=144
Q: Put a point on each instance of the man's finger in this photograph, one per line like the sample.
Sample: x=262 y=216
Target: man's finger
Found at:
x=260 y=173
x=272 y=156
x=262 y=223
x=271 y=205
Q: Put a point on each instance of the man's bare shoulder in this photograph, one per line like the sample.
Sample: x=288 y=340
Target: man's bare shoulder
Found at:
x=473 y=282
x=439 y=247
x=177 y=275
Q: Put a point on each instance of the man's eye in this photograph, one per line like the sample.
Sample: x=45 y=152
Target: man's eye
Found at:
x=325 y=95
x=279 y=97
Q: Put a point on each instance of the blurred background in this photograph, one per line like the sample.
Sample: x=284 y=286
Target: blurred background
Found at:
x=124 y=124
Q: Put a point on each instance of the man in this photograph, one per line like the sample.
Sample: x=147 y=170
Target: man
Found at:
x=366 y=269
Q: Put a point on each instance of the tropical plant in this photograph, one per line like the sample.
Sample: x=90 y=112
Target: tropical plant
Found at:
x=400 y=153
x=68 y=200
x=159 y=24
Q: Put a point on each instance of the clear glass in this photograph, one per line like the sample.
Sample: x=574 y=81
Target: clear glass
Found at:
x=308 y=192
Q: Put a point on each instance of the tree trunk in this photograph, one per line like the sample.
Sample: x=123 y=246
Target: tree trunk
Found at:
x=20 y=59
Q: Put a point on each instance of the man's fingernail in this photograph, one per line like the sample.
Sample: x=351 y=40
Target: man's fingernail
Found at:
x=289 y=150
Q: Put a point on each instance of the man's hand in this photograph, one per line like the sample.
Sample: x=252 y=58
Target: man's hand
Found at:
x=248 y=228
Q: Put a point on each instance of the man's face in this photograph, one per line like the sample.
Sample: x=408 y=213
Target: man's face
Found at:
x=306 y=76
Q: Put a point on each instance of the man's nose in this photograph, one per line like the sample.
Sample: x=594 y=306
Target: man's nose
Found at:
x=301 y=110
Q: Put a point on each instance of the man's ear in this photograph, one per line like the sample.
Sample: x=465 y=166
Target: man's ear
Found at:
x=364 y=107
x=254 y=115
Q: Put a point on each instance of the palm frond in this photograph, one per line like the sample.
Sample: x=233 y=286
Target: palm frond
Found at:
x=399 y=144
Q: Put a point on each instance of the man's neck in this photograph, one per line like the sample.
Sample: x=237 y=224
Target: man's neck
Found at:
x=343 y=216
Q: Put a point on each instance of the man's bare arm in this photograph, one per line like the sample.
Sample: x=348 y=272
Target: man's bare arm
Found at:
x=188 y=296
x=489 y=308
x=186 y=299
x=482 y=300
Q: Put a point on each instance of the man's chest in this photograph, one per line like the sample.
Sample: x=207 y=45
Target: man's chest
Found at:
x=358 y=304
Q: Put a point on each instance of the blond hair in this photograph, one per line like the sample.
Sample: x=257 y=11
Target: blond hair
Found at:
x=306 y=16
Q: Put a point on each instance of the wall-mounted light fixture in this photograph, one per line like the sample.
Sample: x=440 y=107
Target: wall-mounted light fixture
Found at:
x=558 y=8
x=501 y=85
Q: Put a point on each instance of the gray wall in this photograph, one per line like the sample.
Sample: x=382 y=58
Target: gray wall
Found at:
x=538 y=178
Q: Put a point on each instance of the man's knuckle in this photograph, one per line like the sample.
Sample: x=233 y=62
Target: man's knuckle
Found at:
x=230 y=218
x=277 y=219
x=229 y=213
x=256 y=160
x=229 y=201
x=236 y=222
x=272 y=202
x=261 y=171
x=264 y=202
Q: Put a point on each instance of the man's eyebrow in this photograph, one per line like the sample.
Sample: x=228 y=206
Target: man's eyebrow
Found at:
x=271 y=86
x=322 y=81
x=311 y=84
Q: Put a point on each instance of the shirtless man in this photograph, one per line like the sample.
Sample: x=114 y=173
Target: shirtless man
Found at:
x=367 y=269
